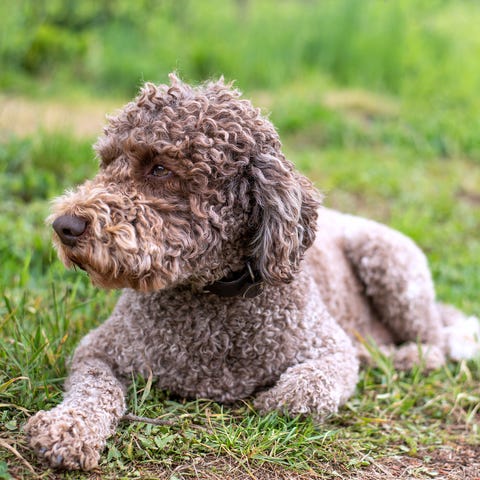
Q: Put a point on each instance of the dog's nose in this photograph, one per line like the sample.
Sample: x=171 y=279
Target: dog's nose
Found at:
x=69 y=228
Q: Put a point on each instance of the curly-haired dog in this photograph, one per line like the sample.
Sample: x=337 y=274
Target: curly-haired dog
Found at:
x=197 y=214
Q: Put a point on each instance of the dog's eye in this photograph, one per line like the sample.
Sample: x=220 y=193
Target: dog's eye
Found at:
x=160 y=171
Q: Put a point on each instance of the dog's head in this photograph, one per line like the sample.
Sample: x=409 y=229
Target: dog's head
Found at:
x=192 y=185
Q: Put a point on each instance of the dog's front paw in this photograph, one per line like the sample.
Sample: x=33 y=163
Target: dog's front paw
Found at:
x=66 y=438
x=301 y=391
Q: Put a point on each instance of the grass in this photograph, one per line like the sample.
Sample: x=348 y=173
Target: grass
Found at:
x=375 y=101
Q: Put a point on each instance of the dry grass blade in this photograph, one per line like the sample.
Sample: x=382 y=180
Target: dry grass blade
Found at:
x=7 y=446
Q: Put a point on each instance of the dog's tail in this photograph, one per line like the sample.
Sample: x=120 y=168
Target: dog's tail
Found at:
x=462 y=333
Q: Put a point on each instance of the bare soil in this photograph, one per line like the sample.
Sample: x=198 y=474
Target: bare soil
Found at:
x=21 y=116
x=448 y=462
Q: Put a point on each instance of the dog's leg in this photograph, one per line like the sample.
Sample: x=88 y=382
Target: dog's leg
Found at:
x=72 y=435
x=398 y=282
x=462 y=333
x=319 y=384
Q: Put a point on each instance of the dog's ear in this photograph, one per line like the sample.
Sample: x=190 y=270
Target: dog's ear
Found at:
x=283 y=220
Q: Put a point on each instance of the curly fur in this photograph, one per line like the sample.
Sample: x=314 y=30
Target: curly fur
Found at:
x=192 y=185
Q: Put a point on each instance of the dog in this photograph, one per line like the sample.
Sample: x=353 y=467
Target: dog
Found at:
x=236 y=282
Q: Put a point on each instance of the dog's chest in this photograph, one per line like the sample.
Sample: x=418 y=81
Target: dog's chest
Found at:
x=222 y=349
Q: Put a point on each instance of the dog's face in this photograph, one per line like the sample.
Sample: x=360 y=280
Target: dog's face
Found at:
x=192 y=185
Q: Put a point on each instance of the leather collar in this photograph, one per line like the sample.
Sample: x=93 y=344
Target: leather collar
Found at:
x=245 y=284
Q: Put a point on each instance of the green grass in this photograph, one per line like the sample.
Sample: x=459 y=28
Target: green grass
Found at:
x=376 y=101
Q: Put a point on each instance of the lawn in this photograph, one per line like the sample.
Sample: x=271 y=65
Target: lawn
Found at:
x=379 y=106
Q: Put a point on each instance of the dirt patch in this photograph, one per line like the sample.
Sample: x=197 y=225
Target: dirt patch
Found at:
x=449 y=462
x=21 y=117
x=446 y=462
x=469 y=197
x=361 y=106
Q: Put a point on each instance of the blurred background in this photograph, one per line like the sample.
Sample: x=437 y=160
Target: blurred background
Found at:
x=377 y=101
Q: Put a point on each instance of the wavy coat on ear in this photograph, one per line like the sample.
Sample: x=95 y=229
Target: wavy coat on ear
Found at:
x=283 y=219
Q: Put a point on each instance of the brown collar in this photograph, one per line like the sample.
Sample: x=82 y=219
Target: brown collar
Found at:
x=245 y=284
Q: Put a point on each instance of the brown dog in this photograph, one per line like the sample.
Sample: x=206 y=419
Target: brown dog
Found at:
x=197 y=214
